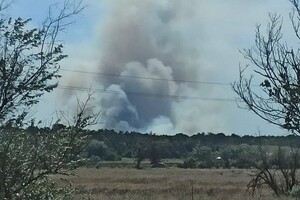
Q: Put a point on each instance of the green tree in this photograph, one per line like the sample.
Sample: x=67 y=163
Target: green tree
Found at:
x=29 y=66
x=154 y=153
x=244 y=156
x=204 y=156
x=29 y=61
x=100 y=149
x=140 y=154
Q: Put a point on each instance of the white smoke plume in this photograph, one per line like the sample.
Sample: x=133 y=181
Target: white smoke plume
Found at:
x=151 y=39
x=163 y=40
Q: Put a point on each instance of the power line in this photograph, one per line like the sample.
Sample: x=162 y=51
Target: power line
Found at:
x=147 y=94
x=147 y=78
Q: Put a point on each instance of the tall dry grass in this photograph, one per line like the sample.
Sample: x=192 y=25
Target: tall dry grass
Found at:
x=162 y=184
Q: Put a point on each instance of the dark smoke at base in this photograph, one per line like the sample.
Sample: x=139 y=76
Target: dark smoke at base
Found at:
x=198 y=40
x=152 y=39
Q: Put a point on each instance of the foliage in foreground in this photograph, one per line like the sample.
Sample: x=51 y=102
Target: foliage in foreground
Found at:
x=278 y=172
x=28 y=158
x=276 y=65
x=29 y=67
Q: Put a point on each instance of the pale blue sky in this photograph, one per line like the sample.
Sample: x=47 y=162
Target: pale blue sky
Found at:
x=83 y=27
x=212 y=30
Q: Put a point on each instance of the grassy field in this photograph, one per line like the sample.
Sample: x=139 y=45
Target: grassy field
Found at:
x=168 y=183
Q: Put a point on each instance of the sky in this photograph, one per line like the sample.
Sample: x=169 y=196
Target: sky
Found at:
x=164 y=55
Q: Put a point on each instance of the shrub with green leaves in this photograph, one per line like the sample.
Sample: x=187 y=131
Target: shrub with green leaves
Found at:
x=28 y=158
x=29 y=67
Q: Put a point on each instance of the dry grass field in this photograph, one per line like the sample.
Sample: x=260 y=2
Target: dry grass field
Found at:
x=161 y=184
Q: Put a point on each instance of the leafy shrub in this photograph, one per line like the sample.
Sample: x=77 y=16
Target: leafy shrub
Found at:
x=189 y=163
x=295 y=192
x=99 y=149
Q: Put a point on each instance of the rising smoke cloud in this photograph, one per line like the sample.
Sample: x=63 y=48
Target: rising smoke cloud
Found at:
x=166 y=39
x=153 y=39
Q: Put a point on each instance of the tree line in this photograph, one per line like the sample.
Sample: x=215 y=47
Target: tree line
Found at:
x=29 y=67
x=234 y=150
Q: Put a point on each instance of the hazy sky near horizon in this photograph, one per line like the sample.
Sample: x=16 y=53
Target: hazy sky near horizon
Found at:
x=193 y=40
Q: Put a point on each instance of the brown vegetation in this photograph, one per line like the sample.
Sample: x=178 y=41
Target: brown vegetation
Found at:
x=169 y=183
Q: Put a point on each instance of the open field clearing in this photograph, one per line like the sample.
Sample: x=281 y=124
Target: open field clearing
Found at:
x=168 y=183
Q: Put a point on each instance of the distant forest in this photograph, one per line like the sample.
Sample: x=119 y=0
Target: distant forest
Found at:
x=202 y=150
x=199 y=150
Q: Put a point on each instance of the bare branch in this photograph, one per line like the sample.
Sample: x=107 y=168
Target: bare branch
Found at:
x=277 y=66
